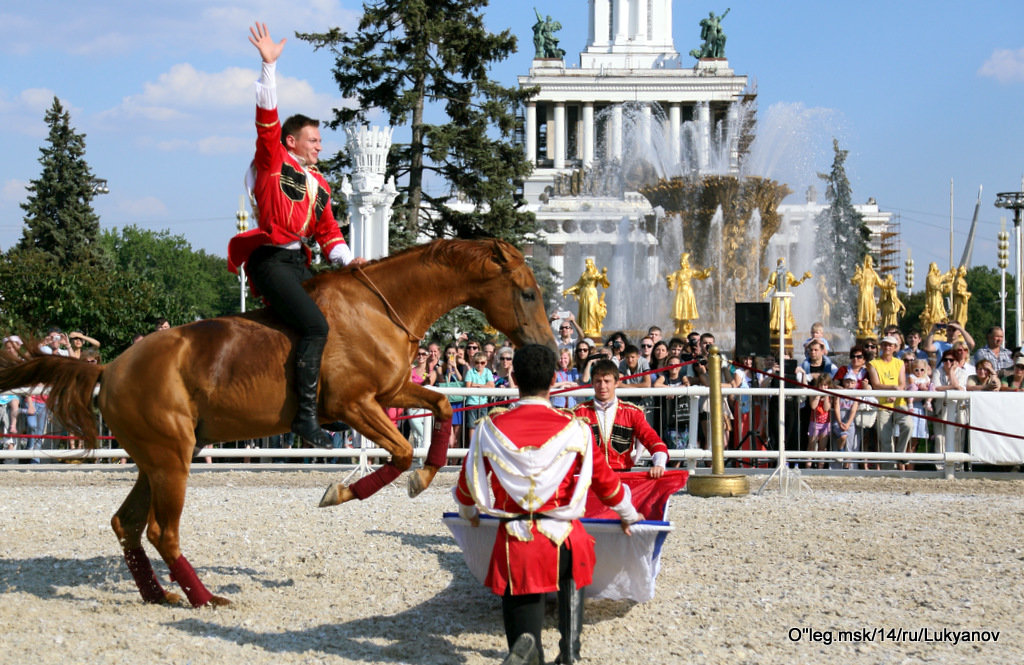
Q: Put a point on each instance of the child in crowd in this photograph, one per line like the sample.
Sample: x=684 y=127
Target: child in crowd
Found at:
x=817 y=333
x=844 y=414
x=477 y=376
x=818 y=430
x=919 y=378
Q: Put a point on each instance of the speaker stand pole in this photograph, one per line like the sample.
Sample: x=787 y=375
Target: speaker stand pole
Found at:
x=782 y=470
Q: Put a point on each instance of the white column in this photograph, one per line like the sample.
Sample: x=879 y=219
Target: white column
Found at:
x=675 y=136
x=369 y=196
x=704 y=126
x=560 y=135
x=531 y=132
x=599 y=28
x=556 y=261
x=621 y=21
x=549 y=119
x=588 y=134
x=641 y=36
x=615 y=135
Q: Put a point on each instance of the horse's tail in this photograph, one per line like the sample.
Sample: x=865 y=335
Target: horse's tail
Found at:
x=71 y=384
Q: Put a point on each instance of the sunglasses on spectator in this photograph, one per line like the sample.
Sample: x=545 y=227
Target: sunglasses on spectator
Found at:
x=565 y=327
x=472 y=347
x=481 y=363
x=947 y=360
x=871 y=346
x=422 y=353
x=647 y=346
x=856 y=355
x=508 y=358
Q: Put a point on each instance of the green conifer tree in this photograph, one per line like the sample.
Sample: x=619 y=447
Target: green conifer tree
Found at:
x=59 y=219
x=414 y=58
x=841 y=242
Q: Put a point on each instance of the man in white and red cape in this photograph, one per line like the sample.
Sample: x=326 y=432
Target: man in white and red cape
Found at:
x=531 y=467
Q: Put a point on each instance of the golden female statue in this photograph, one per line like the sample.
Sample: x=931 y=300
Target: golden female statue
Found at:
x=934 y=307
x=957 y=279
x=781 y=280
x=685 y=309
x=890 y=305
x=592 y=310
x=826 y=301
x=867 y=280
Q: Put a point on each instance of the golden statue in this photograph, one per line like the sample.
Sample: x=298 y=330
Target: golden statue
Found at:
x=781 y=280
x=867 y=280
x=889 y=304
x=957 y=280
x=826 y=301
x=592 y=309
x=684 y=310
x=934 y=307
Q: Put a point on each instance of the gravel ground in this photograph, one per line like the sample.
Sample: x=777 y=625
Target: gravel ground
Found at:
x=761 y=579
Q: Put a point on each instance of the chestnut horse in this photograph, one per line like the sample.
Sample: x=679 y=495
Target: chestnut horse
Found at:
x=229 y=378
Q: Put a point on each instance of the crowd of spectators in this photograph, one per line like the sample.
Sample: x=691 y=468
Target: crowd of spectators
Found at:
x=939 y=361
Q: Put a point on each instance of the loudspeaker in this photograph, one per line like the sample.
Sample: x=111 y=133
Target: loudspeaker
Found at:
x=752 y=332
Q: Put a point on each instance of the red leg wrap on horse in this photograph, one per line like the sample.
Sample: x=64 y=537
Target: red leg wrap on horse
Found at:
x=142 y=572
x=437 y=454
x=369 y=485
x=185 y=575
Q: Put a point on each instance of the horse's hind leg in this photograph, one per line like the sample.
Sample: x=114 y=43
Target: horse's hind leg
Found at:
x=168 y=490
x=128 y=524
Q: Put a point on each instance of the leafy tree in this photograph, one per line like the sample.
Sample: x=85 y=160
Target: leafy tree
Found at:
x=983 y=307
x=406 y=54
x=197 y=284
x=59 y=219
x=841 y=242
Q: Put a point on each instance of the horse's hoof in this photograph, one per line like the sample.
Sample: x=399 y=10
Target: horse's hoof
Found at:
x=331 y=497
x=217 y=601
x=416 y=484
x=171 y=598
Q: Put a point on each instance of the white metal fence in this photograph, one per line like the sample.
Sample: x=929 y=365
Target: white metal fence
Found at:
x=688 y=403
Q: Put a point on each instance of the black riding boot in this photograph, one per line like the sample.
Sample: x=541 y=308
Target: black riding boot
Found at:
x=570 y=623
x=307 y=377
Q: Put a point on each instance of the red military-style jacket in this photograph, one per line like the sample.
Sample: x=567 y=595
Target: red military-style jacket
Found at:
x=531 y=566
x=618 y=443
x=286 y=208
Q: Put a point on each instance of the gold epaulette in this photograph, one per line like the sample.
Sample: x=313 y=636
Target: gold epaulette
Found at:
x=497 y=411
x=629 y=405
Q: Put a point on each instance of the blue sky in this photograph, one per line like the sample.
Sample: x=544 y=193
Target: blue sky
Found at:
x=919 y=92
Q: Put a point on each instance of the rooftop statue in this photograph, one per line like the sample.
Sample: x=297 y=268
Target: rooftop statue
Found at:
x=714 y=38
x=545 y=44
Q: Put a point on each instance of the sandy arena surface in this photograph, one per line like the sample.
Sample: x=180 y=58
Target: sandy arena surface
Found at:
x=762 y=579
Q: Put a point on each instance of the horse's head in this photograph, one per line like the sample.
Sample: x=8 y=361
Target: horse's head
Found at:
x=508 y=295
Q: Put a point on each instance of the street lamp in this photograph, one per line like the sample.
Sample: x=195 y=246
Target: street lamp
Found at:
x=1004 y=260
x=99 y=185
x=242 y=217
x=1015 y=201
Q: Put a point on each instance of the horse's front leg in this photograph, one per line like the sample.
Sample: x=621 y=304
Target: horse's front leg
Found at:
x=417 y=397
x=370 y=420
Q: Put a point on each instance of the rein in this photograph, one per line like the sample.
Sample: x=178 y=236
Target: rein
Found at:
x=392 y=312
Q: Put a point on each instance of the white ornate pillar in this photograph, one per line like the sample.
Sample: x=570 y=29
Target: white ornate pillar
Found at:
x=621 y=20
x=560 y=135
x=369 y=197
x=531 y=132
x=588 y=134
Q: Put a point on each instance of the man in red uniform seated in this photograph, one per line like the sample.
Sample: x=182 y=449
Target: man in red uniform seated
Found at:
x=292 y=206
x=530 y=466
x=619 y=425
